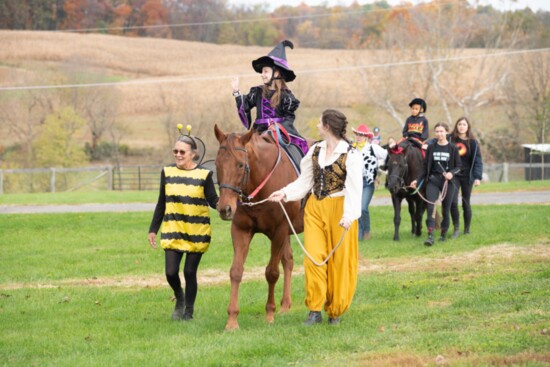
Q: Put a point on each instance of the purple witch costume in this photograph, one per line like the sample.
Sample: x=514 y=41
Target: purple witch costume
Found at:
x=266 y=115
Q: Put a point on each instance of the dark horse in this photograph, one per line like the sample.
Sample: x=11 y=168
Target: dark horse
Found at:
x=246 y=163
x=405 y=164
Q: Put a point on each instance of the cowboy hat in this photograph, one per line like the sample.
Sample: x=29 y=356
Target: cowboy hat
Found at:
x=363 y=130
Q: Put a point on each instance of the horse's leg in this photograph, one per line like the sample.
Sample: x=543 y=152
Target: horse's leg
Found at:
x=412 y=211
x=396 y=201
x=419 y=213
x=288 y=266
x=241 y=245
x=279 y=241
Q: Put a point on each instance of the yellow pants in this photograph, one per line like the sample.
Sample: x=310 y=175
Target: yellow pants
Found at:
x=333 y=284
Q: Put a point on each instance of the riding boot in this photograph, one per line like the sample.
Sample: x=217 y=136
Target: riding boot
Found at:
x=178 y=313
x=430 y=240
x=313 y=318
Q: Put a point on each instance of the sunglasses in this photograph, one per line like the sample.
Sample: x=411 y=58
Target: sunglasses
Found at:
x=181 y=152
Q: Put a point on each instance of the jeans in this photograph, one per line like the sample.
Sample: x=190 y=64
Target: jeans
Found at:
x=366 y=197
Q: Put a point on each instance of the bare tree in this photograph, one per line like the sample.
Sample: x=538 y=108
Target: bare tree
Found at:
x=434 y=40
x=98 y=105
x=23 y=119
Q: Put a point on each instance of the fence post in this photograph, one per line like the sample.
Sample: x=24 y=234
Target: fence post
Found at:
x=1 y=182
x=505 y=172
x=139 y=178
x=110 y=178
x=52 y=180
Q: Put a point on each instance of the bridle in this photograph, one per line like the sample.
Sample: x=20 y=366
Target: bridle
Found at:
x=401 y=177
x=246 y=168
x=240 y=190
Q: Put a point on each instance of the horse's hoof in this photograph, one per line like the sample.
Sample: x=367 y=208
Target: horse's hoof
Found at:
x=284 y=309
x=231 y=327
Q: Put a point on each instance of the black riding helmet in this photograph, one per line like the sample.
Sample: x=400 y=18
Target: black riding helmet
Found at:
x=420 y=102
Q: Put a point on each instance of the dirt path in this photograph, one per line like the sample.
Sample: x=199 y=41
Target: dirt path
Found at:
x=485 y=255
x=518 y=197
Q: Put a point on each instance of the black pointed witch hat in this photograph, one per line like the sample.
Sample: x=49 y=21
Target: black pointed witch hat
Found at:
x=276 y=58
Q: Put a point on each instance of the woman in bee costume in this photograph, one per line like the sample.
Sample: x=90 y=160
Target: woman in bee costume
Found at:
x=183 y=216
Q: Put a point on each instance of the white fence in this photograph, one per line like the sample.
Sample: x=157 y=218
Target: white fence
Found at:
x=147 y=177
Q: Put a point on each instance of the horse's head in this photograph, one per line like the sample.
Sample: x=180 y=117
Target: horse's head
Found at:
x=233 y=170
x=397 y=169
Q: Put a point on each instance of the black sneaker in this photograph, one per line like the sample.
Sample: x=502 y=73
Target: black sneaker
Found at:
x=313 y=318
x=430 y=240
x=334 y=321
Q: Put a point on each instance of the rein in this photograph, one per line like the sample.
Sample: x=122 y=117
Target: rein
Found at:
x=298 y=239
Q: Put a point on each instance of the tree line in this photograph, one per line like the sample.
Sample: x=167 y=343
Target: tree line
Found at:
x=214 y=21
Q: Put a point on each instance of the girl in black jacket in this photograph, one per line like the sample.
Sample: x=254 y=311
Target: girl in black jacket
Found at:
x=469 y=175
x=442 y=163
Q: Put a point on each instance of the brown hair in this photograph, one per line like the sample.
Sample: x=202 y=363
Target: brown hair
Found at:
x=469 y=133
x=279 y=85
x=337 y=123
x=443 y=125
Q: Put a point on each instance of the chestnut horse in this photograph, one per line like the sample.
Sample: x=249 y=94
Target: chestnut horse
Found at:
x=405 y=164
x=249 y=168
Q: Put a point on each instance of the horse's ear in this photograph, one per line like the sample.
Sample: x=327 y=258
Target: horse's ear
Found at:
x=220 y=135
x=246 y=137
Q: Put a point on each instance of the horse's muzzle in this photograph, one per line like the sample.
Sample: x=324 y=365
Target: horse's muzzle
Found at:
x=226 y=213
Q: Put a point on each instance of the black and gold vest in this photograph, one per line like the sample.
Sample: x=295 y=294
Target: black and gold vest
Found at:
x=331 y=179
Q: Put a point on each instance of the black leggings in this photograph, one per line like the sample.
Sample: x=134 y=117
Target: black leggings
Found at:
x=172 y=266
x=465 y=187
x=434 y=187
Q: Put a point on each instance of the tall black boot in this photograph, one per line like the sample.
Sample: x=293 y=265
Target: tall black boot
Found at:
x=178 y=313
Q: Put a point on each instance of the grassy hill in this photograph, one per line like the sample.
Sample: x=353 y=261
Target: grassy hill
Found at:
x=189 y=82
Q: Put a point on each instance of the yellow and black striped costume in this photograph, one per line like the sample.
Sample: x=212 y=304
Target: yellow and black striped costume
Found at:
x=182 y=209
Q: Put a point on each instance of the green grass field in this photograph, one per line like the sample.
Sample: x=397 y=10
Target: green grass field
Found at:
x=151 y=196
x=86 y=290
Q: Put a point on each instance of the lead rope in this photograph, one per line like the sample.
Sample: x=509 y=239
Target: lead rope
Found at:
x=298 y=239
x=442 y=194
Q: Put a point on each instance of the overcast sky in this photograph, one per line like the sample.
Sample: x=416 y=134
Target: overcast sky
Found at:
x=499 y=4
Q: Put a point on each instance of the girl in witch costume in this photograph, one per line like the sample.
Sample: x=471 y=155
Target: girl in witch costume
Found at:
x=182 y=214
x=273 y=101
